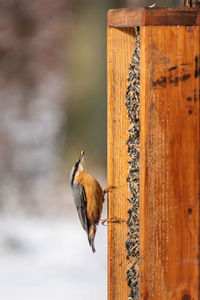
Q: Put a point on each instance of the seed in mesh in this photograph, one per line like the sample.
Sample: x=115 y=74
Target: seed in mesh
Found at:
x=133 y=143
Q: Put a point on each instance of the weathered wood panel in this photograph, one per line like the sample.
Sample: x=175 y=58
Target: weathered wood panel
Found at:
x=120 y=51
x=169 y=180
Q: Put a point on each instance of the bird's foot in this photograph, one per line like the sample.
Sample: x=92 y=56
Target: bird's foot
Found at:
x=106 y=190
x=112 y=220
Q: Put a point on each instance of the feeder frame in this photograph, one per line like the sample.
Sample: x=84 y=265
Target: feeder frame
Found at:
x=169 y=151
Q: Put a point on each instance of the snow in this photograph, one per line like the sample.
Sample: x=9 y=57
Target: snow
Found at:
x=50 y=259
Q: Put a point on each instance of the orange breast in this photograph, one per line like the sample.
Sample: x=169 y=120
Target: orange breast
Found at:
x=94 y=196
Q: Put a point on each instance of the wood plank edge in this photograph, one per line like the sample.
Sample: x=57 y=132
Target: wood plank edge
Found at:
x=131 y=17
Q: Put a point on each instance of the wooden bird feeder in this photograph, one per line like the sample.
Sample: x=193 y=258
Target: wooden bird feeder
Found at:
x=169 y=151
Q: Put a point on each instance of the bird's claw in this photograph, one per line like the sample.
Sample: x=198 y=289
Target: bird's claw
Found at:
x=106 y=190
x=112 y=220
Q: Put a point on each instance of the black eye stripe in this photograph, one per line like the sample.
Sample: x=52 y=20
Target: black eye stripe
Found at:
x=75 y=170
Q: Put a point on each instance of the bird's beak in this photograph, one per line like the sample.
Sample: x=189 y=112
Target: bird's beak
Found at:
x=82 y=155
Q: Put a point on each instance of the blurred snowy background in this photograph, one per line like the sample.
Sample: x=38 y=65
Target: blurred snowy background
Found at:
x=52 y=105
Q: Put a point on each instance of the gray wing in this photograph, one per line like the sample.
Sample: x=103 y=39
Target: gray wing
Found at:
x=81 y=204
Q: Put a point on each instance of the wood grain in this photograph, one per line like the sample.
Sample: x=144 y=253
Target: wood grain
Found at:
x=169 y=178
x=130 y=17
x=120 y=51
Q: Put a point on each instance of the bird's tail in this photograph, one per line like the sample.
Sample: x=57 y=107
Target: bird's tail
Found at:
x=91 y=236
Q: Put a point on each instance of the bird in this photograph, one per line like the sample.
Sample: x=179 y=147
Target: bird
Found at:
x=88 y=197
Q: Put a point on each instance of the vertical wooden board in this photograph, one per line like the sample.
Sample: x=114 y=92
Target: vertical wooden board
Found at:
x=120 y=51
x=169 y=161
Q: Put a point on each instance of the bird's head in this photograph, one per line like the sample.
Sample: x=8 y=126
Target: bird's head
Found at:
x=77 y=168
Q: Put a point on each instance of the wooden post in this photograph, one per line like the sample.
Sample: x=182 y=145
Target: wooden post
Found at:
x=120 y=50
x=169 y=151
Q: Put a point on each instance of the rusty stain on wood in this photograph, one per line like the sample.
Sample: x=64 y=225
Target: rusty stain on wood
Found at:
x=120 y=51
x=169 y=174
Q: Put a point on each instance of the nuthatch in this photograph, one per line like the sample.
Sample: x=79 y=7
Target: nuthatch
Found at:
x=88 y=197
